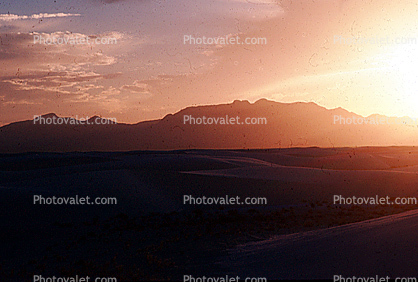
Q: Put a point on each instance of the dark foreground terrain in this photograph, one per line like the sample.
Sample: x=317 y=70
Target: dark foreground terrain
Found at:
x=151 y=234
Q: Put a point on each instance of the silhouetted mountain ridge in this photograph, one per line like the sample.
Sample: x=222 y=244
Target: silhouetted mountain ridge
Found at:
x=288 y=125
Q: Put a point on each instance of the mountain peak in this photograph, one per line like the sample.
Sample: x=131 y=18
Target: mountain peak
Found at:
x=49 y=115
x=93 y=118
x=241 y=102
x=264 y=101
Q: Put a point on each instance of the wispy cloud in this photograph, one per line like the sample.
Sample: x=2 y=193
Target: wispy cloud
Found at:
x=14 y=17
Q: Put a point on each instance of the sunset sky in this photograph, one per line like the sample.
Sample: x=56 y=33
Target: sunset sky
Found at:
x=150 y=72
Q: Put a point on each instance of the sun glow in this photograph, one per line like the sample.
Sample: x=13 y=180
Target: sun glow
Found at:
x=402 y=64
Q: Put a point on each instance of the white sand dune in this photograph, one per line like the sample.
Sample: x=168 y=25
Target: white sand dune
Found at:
x=384 y=246
x=354 y=182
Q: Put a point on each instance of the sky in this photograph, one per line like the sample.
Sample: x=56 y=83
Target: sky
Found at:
x=355 y=54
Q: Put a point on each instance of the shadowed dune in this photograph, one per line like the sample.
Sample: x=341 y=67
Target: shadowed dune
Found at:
x=386 y=247
x=149 y=186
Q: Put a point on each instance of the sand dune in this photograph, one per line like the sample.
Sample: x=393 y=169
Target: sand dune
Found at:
x=149 y=186
x=384 y=246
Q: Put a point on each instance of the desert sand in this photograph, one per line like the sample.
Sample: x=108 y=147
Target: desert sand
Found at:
x=152 y=234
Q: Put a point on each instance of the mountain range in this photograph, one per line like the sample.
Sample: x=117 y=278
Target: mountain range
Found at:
x=281 y=125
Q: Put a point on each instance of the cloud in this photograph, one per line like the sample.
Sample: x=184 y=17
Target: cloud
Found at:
x=252 y=9
x=39 y=71
x=137 y=87
x=20 y=51
x=14 y=17
x=56 y=82
x=21 y=102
